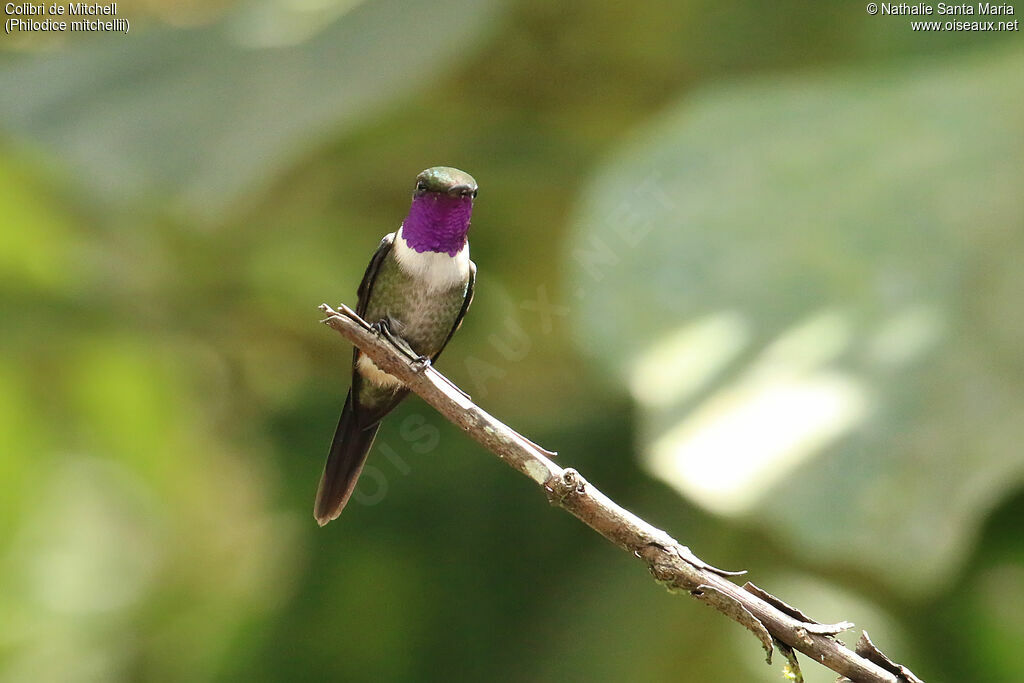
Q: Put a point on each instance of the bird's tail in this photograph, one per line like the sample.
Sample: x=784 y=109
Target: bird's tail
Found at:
x=344 y=463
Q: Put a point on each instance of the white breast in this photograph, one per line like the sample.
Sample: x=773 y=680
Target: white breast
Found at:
x=436 y=271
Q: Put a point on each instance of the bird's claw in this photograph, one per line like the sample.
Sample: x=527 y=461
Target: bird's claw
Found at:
x=383 y=328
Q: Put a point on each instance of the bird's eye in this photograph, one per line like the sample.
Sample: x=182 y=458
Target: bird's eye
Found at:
x=474 y=193
x=421 y=186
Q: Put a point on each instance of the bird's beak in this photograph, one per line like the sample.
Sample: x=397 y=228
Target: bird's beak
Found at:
x=463 y=190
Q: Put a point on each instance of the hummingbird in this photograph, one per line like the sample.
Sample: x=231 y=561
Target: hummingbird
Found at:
x=415 y=292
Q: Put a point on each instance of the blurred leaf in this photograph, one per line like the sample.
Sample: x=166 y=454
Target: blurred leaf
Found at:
x=204 y=115
x=990 y=623
x=811 y=286
x=22 y=434
x=980 y=610
x=34 y=236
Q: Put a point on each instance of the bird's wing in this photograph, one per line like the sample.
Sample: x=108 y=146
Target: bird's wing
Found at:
x=462 y=312
x=366 y=288
x=370 y=276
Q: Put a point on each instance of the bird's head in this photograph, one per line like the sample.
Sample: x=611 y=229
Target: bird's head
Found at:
x=442 y=205
x=447 y=181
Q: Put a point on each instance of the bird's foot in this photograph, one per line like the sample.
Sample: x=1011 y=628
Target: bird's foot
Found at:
x=383 y=328
x=421 y=363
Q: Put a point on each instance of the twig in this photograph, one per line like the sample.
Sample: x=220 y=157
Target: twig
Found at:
x=671 y=563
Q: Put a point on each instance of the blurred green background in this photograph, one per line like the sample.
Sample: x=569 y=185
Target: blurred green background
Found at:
x=754 y=269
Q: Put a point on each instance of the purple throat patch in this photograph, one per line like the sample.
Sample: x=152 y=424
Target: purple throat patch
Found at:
x=437 y=223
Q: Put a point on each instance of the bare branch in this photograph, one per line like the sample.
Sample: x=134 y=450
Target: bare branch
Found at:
x=671 y=563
